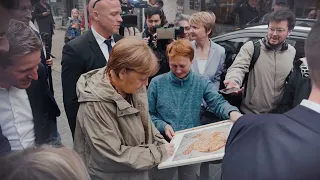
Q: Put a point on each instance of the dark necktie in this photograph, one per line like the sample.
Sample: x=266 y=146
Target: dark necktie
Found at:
x=108 y=43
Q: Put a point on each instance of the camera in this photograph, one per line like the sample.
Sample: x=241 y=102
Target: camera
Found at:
x=165 y=35
x=128 y=18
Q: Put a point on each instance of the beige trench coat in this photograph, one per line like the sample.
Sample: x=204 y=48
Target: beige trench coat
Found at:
x=116 y=141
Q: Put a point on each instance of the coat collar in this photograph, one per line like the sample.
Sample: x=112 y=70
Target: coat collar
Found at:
x=177 y=81
x=123 y=107
x=306 y=117
x=210 y=59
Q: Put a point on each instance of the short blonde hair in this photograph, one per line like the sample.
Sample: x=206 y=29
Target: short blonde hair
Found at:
x=43 y=163
x=208 y=20
x=181 y=47
x=134 y=54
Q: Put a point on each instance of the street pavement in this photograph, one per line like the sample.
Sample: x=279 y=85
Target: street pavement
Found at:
x=63 y=126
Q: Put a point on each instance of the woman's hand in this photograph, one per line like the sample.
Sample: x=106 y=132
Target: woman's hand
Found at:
x=235 y=115
x=169 y=131
x=169 y=148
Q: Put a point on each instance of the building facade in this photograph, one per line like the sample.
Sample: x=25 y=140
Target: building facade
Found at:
x=222 y=8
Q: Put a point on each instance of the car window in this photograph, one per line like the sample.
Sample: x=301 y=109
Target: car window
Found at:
x=233 y=45
x=299 y=46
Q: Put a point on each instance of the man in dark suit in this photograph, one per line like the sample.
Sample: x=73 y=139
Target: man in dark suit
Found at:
x=42 y=14
x=280 y=146
x=89 y=51
x=5 y=14
x=26 y=106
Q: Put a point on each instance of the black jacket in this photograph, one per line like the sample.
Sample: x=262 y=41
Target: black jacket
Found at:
x=297 y=89
x=274 y=147
x=160 y=53
x=43 y=105
x=79 y=56
x=246 y=13
x=4 y=144
x=44 y=111
x=45 y=23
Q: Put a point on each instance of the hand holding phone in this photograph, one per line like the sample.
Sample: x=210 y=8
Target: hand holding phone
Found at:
x=229 y=90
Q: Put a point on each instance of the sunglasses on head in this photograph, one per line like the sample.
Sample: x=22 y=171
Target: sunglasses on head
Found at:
x=94 y=4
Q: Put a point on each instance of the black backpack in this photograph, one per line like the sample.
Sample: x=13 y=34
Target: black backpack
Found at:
x=231 y=53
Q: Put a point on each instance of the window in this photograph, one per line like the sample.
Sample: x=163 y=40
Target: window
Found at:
x=194 y=4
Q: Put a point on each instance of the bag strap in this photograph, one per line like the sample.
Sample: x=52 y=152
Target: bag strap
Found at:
x=256 y=54
x=254 y=59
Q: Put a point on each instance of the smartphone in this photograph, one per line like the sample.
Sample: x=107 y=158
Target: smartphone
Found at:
x=229 y=91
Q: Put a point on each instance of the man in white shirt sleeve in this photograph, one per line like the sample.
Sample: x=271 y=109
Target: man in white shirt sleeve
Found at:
x=23 y=14
x=280 y=146
x=25 y=105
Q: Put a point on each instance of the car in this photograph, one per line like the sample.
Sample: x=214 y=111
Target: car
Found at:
x=233 y=41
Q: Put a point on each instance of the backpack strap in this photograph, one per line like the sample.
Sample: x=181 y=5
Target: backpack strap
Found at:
x=254 y=59
x=256 y=54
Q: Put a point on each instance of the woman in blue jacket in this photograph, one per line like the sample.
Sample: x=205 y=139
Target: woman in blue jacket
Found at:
x=175 y=98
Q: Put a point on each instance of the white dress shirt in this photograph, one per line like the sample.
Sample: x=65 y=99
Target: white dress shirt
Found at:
x=16 y=118
x=103 y=46
x=311 y=105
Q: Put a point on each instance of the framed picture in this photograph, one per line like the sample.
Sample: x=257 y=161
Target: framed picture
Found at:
x=200 y=144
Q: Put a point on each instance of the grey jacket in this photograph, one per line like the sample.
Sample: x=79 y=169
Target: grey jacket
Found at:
x=214 y=65
x=266 y=80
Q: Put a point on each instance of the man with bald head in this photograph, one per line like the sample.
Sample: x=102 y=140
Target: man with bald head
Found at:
x=89 y=51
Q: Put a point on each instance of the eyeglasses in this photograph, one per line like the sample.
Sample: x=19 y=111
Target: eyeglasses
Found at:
x=94 y=4
x=278 y=31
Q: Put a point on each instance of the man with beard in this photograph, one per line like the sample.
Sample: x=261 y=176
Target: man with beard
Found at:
x=279 y=146
x=265 y=84
x=155 y=19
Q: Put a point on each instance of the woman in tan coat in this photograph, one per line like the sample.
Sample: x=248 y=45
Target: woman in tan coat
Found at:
x=114 y=134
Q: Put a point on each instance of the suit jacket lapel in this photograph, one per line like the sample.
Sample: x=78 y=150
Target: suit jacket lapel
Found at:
x=95 y=47
x=211 y=63
x=195 y=67
x=32 y=95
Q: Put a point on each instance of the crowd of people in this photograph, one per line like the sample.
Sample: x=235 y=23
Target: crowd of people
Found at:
x=126 y=97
